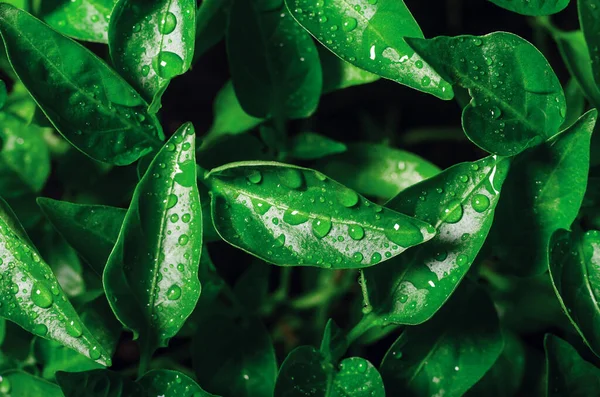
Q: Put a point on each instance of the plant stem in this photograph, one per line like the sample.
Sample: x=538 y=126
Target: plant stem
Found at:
x=368 y=321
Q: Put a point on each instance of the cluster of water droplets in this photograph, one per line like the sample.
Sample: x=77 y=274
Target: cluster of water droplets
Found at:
x=358 y=377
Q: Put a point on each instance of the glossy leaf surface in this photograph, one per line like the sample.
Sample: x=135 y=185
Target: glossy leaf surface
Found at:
x=211 y=23
x=589 y=16
x=568 y=374
x=18 y=383
x=151 y=278
x=543 y=194
x=300 y=217
x=98 y=383
x=96 y=110
x=171 y=383
x=339 y=74
x=371 y=36
x=310 y=146
x=447 y=354
x=33 y=298
x=575 y=272
x=151 y=42
x=533 y=7
x=82 y=19
x=516 y=99
x=274 y=63
x=460 y=203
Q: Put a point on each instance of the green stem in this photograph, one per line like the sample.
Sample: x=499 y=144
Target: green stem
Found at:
x=367 y=308
x=368 y=321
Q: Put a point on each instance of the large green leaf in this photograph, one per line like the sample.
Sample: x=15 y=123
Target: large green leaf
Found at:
x=568 y=374
x=447 y=354
x=235 y=358
x=543 y=193
x=211 y=23
x=151 y=278
x=575 y=273
x=371 y=36
x=34 y=299
x=516 y=99
x=589 y=16
x=460 y=203
x=171 y=383
x=292 y=216
x=82 y=19
x=18 y=383
x=91 y=229
x=533 y=7
x=310 y=146
x=274 y=63
x=151 y=42
x=87 y=102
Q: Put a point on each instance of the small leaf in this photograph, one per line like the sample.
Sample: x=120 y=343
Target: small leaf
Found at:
x=589 y=16
x=151 y=42
x=36 y=301
x=543 y=193
x=310 y=146
x=575 y=272
x=567 y=373
x=151 y=278
x=97 y=383
x=517 y=101
x=460 y=203
x=83 y=20
x=533 y=7
x=274 y=63
x=87 y=102
x=339 y=74
x=447 y=354
x=171 y=383
x=211 y=23
x=371 y=36
x=235 y=358
x=300 y=217
x=18 y=383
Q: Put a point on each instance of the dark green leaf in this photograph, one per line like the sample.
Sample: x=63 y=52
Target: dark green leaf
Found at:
x=64 y=262
x=151 y=278
x=171 y=383
x=300 y=217
x=310 y=146
x=377 y=170
x=533 y=7
x=568 y=374
x=83 y=19
x=589 y=16
x=543 y=193
x=252 y=288
x=575 y=103
x=98 y=383
x=87 y=102
x=211 y=23
x=460 y=203
x=151 y=42
x=357 y=377
x=235 y=358
x=575 y=273
x=21 y=384
x=339 y=74
x=55 y=357
x=447 y=354
x=517 y=101
x=371 y=36
x=3 y=94
x=274 y=63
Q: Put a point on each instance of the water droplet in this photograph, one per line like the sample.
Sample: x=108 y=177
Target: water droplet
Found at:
x=375 y=258
x=495 y=112
x=174 y=218
x=357 y=257
x=321 y=227
x=40 y=329
x=167 y=23
x=425 y=81
x=356 y=232
x=349 y=24
x=5 y=386
x=480 y=202
x=183 y=239
x=405 y=234
x=41 y=296
x=419 y=64
x=294 y=217
x=477 y=42
x=254 y=176
x=461 y=260
x=145 y=70
x=463 y=178
x=174 y=292
x=279 y=241
x=291 y=177
x=171 y=201
x=186 y=218
x=261 y=207
x=453 y=211
x=167 y=64
x=440 y=256
x=348 y=198
x=94 y=353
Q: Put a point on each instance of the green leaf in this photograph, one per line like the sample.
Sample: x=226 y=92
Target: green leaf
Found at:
x=64 y=262
x=339 y=74
x=18 y=383
x=151 y=42
x=274 y=63
x=252 y=288
x=334 y=343
x=151 y=278
x=575 y=103
x=371 y=36
x=567 y=373
x=543 y=193
x=533 y=7
x=517 y=101
x=589 y=16
x=235 y=358
x=36 y=302
x=83 y=19
x=310 y=146
x=91 y=230
x=97 y=383
x=211 y=24
x=460 y=203
x=300 y=217
x=171 y=383
x=575 y=272
x=377 y=170
x=3 y=94
x=87 y=102
x=447 y=354
x=54 y=357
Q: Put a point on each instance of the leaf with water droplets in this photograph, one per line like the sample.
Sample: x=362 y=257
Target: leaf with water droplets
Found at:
x=460 y=203
x=543 y=193
x=449 y=353
x=299 y=217
x=98 y=383
x=568 y=374
x=151 y=42
x=164 y=382
x=151 y=294
x=517 y=101
x=533 y=7
x=370 y=35
x=310 y=146
x=22 y=384
x=339 y=74
x=589 y=16
x=96 y=111
x=32 y=297
x=235 y=357
x=575 y=272
x=83 y=19
x=211 y=23
x=274 y=63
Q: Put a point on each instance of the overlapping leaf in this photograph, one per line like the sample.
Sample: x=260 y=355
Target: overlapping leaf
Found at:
x=82 y=19
x=533 y=7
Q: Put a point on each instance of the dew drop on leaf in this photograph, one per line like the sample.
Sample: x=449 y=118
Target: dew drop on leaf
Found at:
x=357 y=257
x=356 y=232
x=404 y=235
x=94 y=353
x=167 y=23
x=41 y=296
x=254 y=176
x=348 y=198
x=321 y=227
x=40 y=329
x=375 y=258
x=5 y=386
x=453 y=211
x=261 y=207
x=291 y=178
x=174 y=292
x=349 y=24
x=167 y=64
x=480 y=202
x=279 y=241
x=293 y=217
